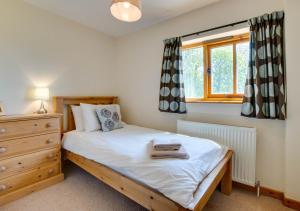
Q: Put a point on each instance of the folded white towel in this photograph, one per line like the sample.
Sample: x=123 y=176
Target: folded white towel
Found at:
x=165 y=145
x=180 y=154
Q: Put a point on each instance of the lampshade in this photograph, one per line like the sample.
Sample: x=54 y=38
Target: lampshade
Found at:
x=42 y=93
x=126 y=10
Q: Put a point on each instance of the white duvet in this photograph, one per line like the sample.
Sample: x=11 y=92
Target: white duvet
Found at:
x=127 y=151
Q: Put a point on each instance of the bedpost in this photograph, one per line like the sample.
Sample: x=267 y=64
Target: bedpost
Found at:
x=226 y=183
x=58 y=107
x=115 y=100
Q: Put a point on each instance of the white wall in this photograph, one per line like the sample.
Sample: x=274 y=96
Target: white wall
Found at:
x=41 y=49
x=292 y=165
x=138 y=74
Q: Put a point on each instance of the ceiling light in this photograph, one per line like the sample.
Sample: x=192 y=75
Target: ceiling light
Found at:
x=126 y=10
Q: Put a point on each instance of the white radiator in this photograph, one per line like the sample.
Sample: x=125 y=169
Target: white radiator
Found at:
x=241 y=139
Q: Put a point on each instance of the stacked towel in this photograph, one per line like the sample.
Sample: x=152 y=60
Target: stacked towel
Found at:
x=180 y=154
x=166 y=145
x=168 y=149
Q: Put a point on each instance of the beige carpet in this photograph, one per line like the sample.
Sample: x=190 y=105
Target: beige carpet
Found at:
x=82 y=192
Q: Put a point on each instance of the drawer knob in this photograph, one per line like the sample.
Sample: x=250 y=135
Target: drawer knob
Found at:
x=50 y=171
x=49 y=141
x=2 y=168
x=2 y=130
x=2 y=149
x=3 y=187
x=48 y=125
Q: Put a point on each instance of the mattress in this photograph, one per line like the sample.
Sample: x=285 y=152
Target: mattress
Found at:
x=127 y=151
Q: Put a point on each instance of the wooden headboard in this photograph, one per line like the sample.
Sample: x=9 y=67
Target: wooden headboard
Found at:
x=62 y=105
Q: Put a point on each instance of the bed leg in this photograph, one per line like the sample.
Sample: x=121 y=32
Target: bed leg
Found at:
x=63 y=158
x=226 y=183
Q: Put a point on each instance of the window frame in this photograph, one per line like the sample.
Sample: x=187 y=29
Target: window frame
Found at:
x=207 y=47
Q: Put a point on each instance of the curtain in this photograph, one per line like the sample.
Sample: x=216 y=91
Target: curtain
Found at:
x=172 y=98
x=265 y=90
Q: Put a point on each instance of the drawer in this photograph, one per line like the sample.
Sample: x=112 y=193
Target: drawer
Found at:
x=15 y=129
x=24 y=145
x=30 y=177
x=19 y=164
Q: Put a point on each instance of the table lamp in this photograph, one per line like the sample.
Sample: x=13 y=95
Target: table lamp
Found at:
x=42 y=94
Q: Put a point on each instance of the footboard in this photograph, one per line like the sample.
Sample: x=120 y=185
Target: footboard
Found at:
x=221 y=174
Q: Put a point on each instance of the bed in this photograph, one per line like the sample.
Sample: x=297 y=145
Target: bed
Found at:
x=130 y=181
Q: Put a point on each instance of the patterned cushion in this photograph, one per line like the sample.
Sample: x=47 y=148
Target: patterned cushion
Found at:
x=109 y=118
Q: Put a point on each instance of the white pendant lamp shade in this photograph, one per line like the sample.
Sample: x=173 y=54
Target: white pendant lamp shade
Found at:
x=126 y=10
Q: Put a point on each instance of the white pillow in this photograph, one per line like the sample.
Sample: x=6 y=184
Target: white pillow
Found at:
x=89 y=115
x=77 y=114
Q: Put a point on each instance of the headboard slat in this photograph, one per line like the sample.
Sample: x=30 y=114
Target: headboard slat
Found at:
x=62 y=104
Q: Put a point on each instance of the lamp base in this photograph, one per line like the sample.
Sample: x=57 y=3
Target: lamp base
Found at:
x=42 y=109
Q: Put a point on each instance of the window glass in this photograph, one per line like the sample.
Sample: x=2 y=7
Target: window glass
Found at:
x=222 y=70
x=193 y=69
x=242 y=60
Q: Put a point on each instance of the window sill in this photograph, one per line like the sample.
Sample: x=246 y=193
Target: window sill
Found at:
x=218 y=101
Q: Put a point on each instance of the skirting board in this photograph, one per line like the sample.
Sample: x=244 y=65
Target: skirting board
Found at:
x=271 y=193
x=291 y=203
x=30 y=189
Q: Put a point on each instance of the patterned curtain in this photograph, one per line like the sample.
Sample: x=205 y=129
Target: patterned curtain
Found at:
x=172 y=98
x=265 y=91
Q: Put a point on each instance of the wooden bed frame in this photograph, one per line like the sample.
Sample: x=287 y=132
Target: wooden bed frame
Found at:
x=143 y=195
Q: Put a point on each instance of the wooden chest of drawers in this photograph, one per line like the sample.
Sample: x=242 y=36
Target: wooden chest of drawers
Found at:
x=30 y=157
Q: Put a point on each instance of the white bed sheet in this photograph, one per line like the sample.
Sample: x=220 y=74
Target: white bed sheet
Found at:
x=127 y=151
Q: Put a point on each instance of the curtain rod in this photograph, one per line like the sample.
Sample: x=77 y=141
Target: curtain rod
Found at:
x=215 y=28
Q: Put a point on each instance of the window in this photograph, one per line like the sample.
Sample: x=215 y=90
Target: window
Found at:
x=216 y=70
